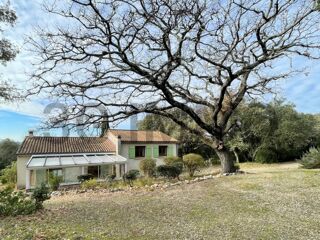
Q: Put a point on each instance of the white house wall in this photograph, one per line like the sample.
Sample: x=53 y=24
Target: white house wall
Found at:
x=134 y=163
x=21 y=171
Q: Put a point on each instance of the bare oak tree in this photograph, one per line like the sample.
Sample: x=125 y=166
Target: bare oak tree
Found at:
x=7 y=49
x=153 y=56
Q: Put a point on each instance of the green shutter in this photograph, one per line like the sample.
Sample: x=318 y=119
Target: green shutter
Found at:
x=132 y=152
x=155 y=151
x=170 y=151
x=148 y=152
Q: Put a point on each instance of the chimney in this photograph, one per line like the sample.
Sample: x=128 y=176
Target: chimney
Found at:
x=30 y=133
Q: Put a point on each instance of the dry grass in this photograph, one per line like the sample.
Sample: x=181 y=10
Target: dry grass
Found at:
x=275 y=203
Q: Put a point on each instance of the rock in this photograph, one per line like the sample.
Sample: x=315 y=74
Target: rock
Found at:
x=187 y=181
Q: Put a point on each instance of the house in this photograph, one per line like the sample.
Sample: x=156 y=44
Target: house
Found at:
x=116 y=153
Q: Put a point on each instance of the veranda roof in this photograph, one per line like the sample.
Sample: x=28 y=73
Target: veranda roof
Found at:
x=59 y=161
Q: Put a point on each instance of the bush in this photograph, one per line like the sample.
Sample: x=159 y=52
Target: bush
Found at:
x=40 y=194
x=170 y=171
x=85 y=177
x=141 y=182
x=15 y=203
x=54 y=181
x=172 y=160
x=193 y=162
x=9 y=174
x=90 y=184
x=311 y=159
x=130 y=176
x=266 y=155
x=147 y=166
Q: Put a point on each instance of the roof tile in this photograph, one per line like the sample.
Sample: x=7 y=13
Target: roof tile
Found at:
x=49 y=145
x=142 y=136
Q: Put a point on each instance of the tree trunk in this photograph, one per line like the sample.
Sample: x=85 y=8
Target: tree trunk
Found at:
x=227 y=160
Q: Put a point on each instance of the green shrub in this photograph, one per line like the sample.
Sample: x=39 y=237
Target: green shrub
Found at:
x=170 y=171
x=172 y=160
x=54 y=181
x=141 y=182
x=40 y=194
x=147 y=166
x=90 y=184
x=9 y=174
x=311 y=159
x=266 y=155
x=14 y=203
x=193 y=162
x=85 y=177
x=130 y=176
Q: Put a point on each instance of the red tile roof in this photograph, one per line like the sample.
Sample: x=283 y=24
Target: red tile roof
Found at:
x=51 y=145
x=143 y=136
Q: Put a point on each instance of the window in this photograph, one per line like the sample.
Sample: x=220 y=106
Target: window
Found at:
x=140 y=151
x=56 y=172
x=163 y=150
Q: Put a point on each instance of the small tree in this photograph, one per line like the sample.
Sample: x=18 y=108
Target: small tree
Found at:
x=311 y=159
x=130 y=176
x=41 y=194
x=54 y=181
x=147 y=166
x=193 y=162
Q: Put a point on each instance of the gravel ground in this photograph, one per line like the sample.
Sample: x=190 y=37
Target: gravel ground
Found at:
x=275 y=203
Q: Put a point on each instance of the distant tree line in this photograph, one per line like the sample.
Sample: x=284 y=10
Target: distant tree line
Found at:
x=265 y=132
x=8 y=150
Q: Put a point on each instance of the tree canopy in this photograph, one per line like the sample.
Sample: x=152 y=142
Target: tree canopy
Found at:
x=155 y=56
x=8 y=150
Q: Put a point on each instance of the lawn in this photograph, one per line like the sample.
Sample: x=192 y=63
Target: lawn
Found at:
x=271 y=202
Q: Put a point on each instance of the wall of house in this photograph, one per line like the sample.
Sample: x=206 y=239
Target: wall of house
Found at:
x=21 y=171
x=134 y=163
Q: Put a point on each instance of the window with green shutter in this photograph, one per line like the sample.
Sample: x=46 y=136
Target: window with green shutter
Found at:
x=132 y=152
x=170 y=151
x=148 y=152
x=155 y=151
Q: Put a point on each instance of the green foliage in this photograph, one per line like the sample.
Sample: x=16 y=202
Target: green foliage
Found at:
x=84 y=177
x=13 y=203
x=193 y=162
x=172 y=160
x=275 y=128
x=90 y=184
x=188 y=142
x=9 y=174
x=40 y=194
x=147 y=166
x=141 y=182
x=54 y=181
x=8 y=149
x=311 y=159
x=130 y=176
x=170 y=171
x=266 y=155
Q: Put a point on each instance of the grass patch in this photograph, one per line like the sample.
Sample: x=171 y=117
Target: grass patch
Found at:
x=279 y=204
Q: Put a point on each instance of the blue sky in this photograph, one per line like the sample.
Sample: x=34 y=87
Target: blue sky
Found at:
x=17 y=118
